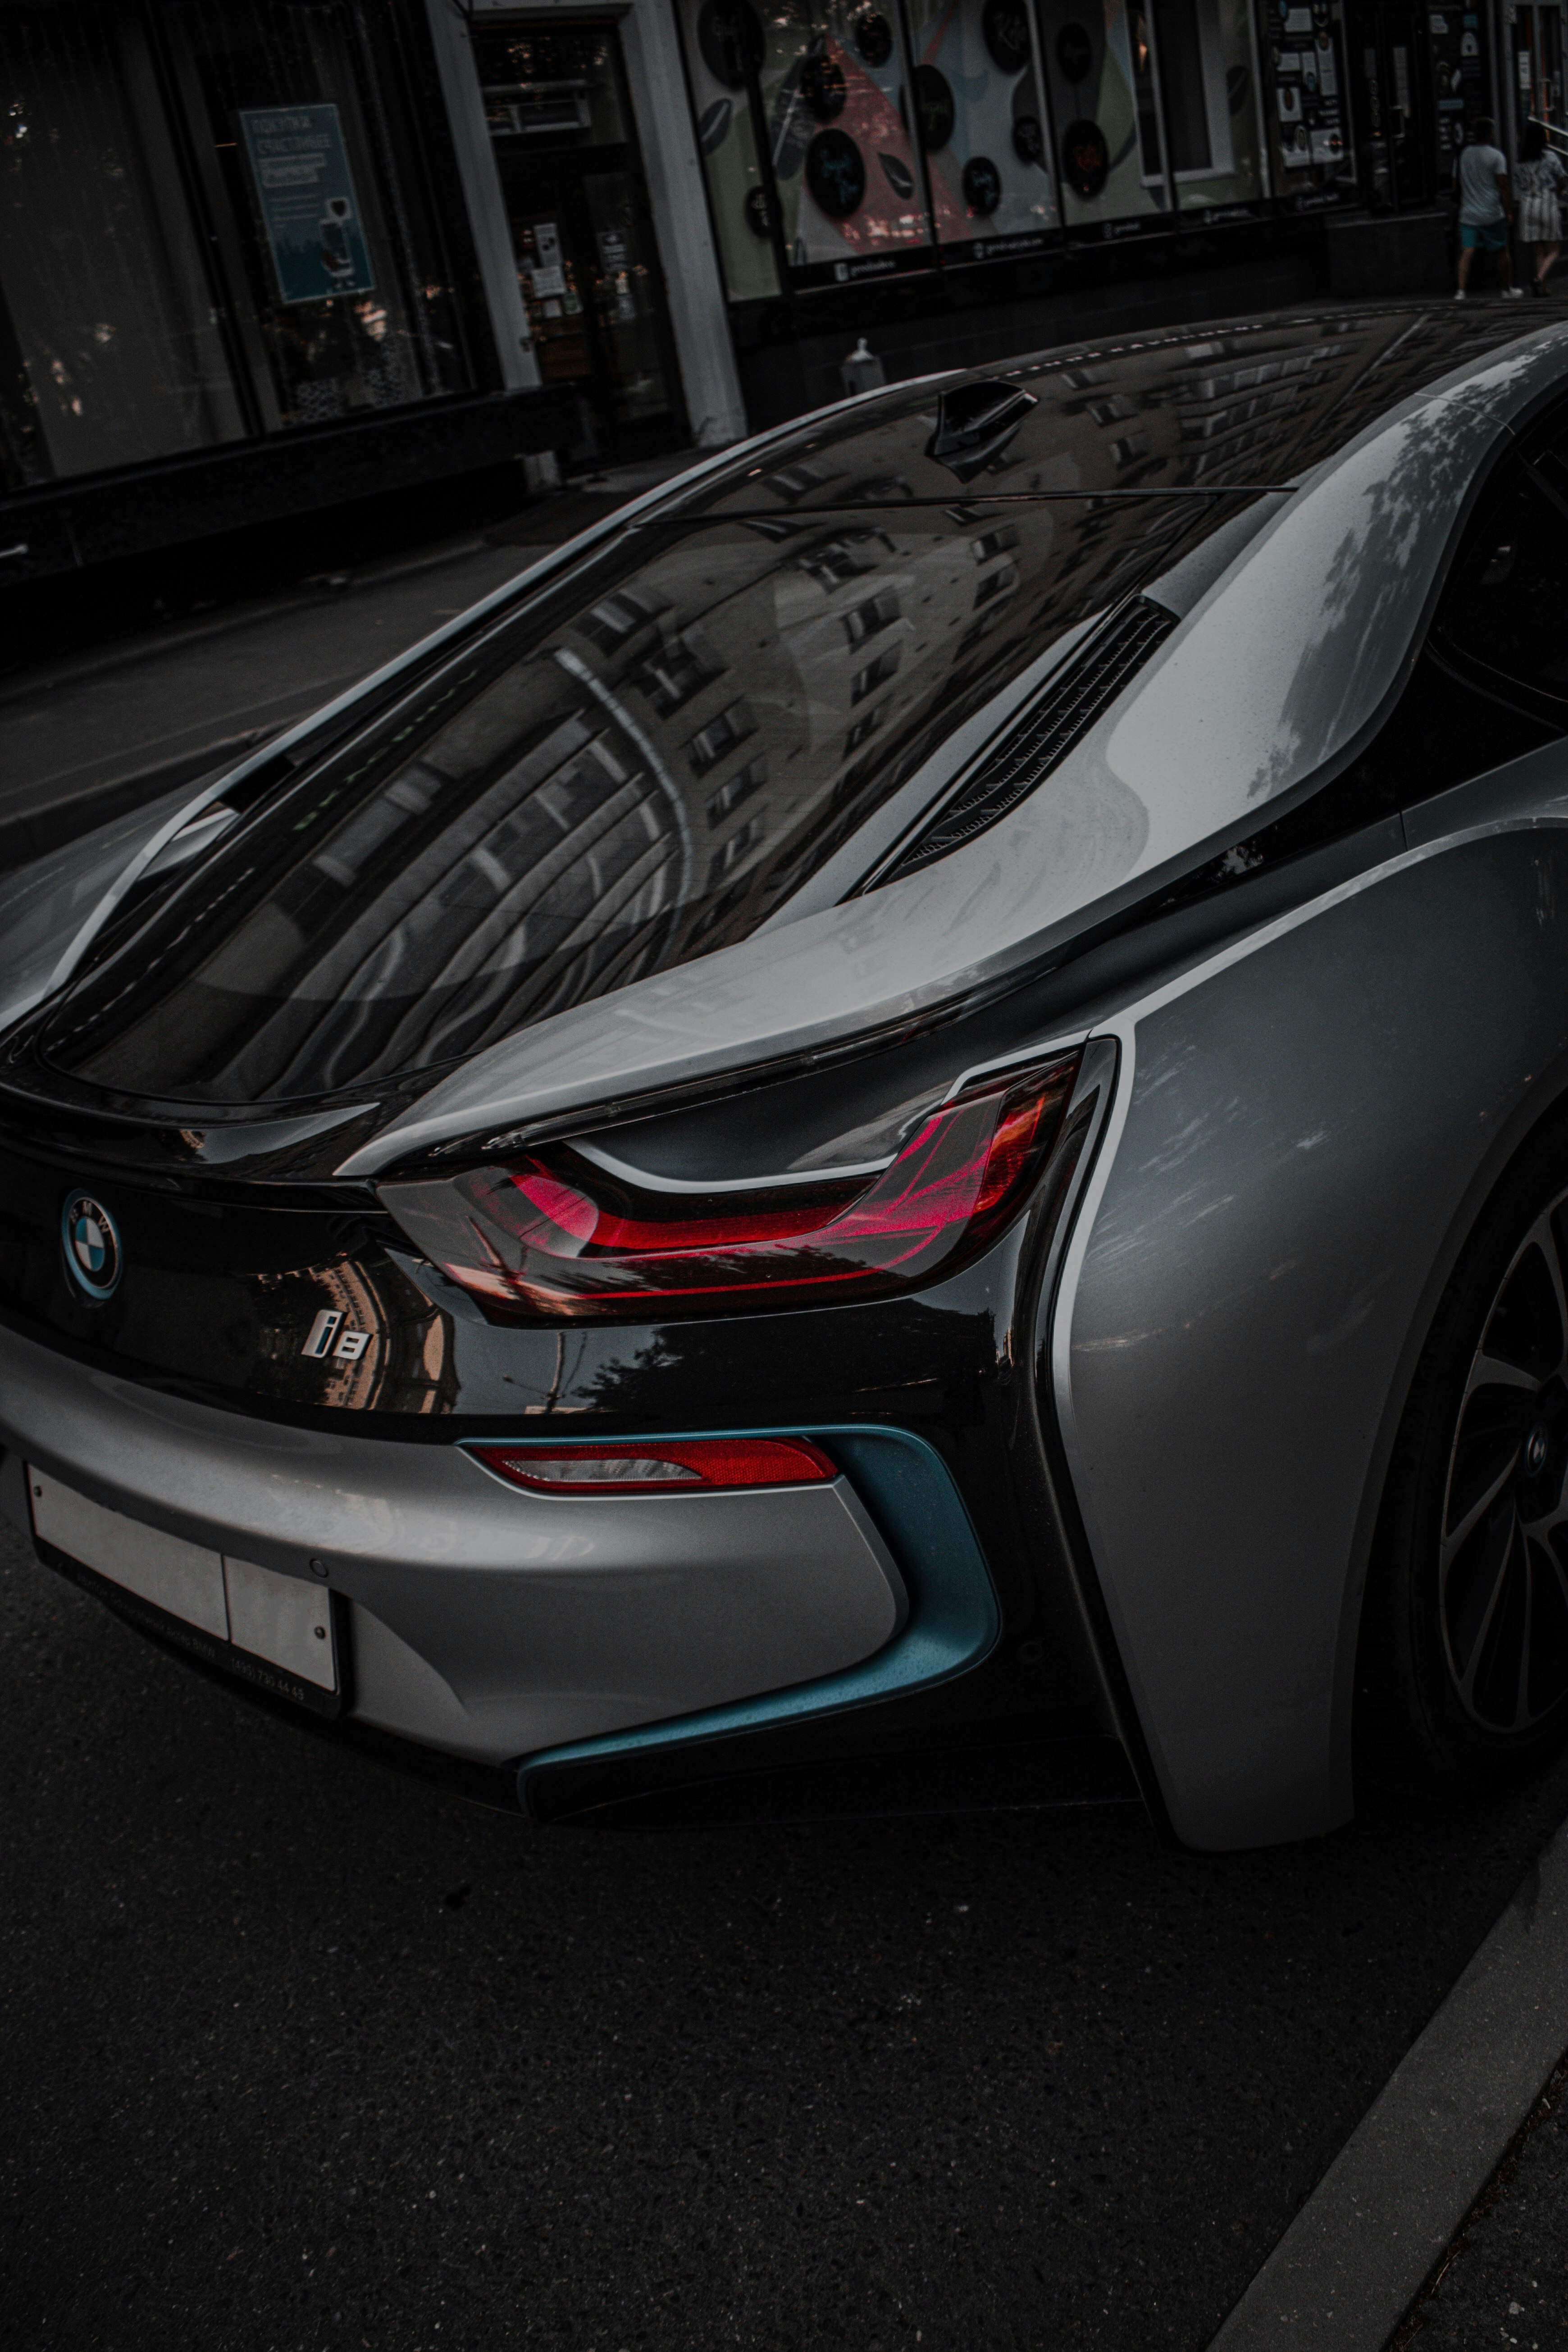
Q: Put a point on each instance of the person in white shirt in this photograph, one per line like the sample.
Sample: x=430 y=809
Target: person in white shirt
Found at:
x=1483 y=208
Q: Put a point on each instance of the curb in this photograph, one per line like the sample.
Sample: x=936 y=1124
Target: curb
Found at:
x=23 y=838
x=1502 y=2180
x=1365 y=2243
x=178 y=636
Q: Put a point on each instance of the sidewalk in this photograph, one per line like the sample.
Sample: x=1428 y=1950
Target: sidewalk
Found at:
x=84 y=740
x=1504 y=2279
x=1443 y=2221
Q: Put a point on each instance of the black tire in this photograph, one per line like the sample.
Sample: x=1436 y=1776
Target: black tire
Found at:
x=1462 y=1664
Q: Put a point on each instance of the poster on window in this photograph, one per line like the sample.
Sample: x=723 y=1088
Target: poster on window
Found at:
x=1314 y=159
x=726 y=140
x=848 y=175
x=982 y=122
x=830 y=75
x=306 y=194
x=1099 y=64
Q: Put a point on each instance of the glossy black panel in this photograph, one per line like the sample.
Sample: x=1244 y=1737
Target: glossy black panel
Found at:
x=1503 y=618
x=641 y=770
x=218 y=1301
x=669 y=737
x=219 y=1305
x=1200 y=409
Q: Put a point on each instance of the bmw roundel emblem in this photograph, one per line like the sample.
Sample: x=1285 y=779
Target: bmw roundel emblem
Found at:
x=94 y=1259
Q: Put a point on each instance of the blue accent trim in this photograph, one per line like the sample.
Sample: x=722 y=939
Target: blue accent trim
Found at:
x=953 y=1620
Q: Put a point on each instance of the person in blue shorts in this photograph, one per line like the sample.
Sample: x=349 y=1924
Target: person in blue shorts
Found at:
x=1483 y=208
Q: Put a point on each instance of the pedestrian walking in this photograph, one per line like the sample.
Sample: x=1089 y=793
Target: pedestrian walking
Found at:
x=1484 y=209
x=1538 y=184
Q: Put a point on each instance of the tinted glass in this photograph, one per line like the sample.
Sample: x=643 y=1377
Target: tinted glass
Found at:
x=1491 y=682
x=656 y=752
x=1244 y=403
x=1505 y=611
x=641 y=775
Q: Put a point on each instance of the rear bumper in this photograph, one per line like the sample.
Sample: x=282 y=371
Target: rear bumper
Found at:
x=484 y=1622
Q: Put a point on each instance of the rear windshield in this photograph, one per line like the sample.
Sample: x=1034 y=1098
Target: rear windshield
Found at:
x=653 y=753
x=562 y=811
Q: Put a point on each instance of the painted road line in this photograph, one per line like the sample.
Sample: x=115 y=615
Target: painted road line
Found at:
x=1344 y=2273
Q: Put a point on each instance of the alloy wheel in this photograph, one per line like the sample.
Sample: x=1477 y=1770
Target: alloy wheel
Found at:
x=1503 y=1559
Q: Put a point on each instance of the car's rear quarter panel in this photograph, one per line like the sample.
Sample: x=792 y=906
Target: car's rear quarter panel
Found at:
x=1308 y=1128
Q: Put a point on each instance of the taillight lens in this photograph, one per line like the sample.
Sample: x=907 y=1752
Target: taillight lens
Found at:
x=673 y=1465
x=553 y=1238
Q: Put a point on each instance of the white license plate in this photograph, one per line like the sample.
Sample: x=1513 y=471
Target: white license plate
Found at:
x=275 y=1631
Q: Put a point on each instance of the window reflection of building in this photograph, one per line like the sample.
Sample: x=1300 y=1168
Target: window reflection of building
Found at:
x=672 y=756
x=644 y=786
x=1244 y=403
x=406 y=1364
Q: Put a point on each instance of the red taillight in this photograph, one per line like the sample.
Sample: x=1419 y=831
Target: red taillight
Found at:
x=659 y=1466
x=553 y=1239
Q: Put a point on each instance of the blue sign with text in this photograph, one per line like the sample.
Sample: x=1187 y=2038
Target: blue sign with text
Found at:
x=307 y=197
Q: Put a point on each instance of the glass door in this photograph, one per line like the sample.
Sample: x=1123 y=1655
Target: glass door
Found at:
x=581 y=231
x=1399 y=165
x=1537 y=35
x=1457 y=75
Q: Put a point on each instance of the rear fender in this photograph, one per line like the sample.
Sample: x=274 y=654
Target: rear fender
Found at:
x=1307 y=1127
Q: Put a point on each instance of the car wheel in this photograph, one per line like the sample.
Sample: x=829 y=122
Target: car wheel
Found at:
x=1462 y=1668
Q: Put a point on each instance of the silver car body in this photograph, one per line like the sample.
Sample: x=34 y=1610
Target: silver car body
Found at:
x=1302 y=1126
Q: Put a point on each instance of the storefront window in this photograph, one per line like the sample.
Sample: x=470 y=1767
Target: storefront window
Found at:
x=213 y=222
x=982 y=124
x=1207 y=67
x=343 y=296
x=117 y=354
x=587 y=263
x=829 y=75
x=726 y=137
x=1310 y=123
x=1100 y=65
x=1009 y=118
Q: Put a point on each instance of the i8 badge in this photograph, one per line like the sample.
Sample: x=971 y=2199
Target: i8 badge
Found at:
x=94 y=1259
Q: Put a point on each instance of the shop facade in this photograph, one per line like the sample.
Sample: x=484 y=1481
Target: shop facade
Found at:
x=238 y=277
x=957 y=178
x=258 y=255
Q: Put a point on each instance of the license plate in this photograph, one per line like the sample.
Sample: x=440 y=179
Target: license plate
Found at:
x=274 y=1630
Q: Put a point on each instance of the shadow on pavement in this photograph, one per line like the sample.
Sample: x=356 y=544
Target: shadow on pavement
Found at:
x=301 y=2053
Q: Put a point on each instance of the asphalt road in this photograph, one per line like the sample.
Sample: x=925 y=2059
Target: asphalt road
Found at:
x=131 y=710
x=298 y=2054
x=1505 y=2280
x=172 y=700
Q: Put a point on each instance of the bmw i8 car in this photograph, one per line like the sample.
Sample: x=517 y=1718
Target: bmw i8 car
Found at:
x=896 y=1134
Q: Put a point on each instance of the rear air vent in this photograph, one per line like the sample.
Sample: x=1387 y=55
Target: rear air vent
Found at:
x=1073 y=699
